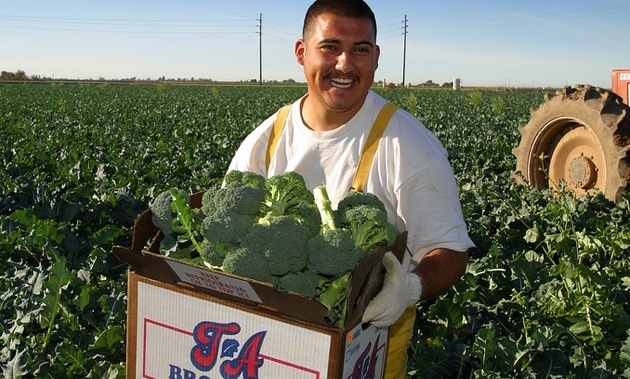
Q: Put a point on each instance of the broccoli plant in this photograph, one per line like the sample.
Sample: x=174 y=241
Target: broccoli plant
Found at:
x=368 y=225
x=171 y=212
x=337 y=249
x=284 y=193
x=332 y=251
x=304 y=282
x=247 y=263
x=282 y=242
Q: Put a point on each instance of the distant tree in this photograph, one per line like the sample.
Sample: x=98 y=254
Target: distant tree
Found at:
x=20 y=75
x=5 y=75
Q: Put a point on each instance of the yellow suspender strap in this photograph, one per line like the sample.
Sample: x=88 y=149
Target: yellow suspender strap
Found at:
x=365 y=162
x=367 y=156
x=274 y=137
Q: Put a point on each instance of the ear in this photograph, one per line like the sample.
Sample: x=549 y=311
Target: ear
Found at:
x=377 y=53
x=300 y=51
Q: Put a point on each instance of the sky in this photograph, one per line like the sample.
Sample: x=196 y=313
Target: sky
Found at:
x=532 y=43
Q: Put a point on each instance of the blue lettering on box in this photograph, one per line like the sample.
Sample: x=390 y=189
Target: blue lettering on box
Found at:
x=212 y=344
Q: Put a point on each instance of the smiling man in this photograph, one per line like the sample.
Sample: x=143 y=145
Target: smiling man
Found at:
x=322 y=137
x=339 y=60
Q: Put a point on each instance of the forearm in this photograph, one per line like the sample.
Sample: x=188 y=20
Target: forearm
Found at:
x=439 y=270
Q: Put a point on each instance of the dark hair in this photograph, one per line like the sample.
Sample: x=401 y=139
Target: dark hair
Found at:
x=340 y=8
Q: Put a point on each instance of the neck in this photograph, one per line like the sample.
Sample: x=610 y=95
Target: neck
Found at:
x=322 y=119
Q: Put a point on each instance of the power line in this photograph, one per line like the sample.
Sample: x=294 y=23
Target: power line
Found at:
x=128 y=31
x=92 y=20
x=149 y=26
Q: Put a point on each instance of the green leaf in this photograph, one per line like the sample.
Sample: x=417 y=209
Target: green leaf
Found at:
x=59 y=277
x=184 y=220
x=449 y=314
x=73 y=359
x=551 y=363
x=16 y=367
x=624 y=352
x=485 y=347
x=532 y=234
x=109 y=340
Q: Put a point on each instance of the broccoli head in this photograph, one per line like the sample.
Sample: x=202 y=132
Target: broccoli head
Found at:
x=240 y=198
x=226 y=225
x=368 y=225
x=207 y=200
x=332 y=252
x=162 y=212
x=307 y=215
x=246 y=178
x=213 y=253
x=302 y=282
x=282 y=241
x=284 y=191
x=353 y=199
x=248 y=264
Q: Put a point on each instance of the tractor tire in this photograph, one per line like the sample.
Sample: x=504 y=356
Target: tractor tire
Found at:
x=578 y=139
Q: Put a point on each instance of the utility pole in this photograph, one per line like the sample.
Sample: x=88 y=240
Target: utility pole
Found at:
x=260 y=80
x=404 y=49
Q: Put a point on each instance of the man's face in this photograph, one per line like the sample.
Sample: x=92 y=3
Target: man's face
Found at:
x=340 y=57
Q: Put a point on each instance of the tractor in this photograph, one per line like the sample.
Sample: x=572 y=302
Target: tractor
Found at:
x=579 y=137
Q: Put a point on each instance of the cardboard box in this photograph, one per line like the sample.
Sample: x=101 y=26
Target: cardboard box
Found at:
x=189 y=322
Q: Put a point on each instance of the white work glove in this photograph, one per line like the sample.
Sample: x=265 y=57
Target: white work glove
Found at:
x=401 y=290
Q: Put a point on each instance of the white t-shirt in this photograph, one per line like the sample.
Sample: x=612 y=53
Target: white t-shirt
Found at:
x=410 y=172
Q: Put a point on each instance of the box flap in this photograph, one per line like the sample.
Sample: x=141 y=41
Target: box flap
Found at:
x=367 y=278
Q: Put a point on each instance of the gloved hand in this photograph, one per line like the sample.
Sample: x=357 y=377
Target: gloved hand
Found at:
x=401 y=289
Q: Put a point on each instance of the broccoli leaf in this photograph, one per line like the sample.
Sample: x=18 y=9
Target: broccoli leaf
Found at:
x=184 y=220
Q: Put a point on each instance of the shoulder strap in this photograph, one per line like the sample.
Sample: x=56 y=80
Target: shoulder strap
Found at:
x=367 y=156
x=365 y=162
x=278 y=125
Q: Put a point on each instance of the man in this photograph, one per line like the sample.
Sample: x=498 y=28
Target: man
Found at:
x=323 y=138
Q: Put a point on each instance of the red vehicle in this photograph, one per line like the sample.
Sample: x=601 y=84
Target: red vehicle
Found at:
x=621 y=84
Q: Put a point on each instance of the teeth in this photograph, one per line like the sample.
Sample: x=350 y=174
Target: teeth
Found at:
x=341 y=83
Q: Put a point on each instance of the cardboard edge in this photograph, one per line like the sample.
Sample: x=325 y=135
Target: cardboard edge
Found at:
x=291 y=305
x=335 y=363
x=132 y=326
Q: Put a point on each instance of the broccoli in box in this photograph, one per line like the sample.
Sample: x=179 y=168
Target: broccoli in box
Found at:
x=278 y=232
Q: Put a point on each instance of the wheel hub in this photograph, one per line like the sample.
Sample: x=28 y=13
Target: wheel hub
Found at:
x=582 y=173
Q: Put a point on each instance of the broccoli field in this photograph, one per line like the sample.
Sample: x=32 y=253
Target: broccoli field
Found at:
x=546 y=293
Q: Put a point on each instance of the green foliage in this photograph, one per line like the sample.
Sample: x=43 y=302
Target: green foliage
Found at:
x=79 y=164
x=545 y=294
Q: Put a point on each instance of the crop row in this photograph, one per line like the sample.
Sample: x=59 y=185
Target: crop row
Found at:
x=545 y=294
